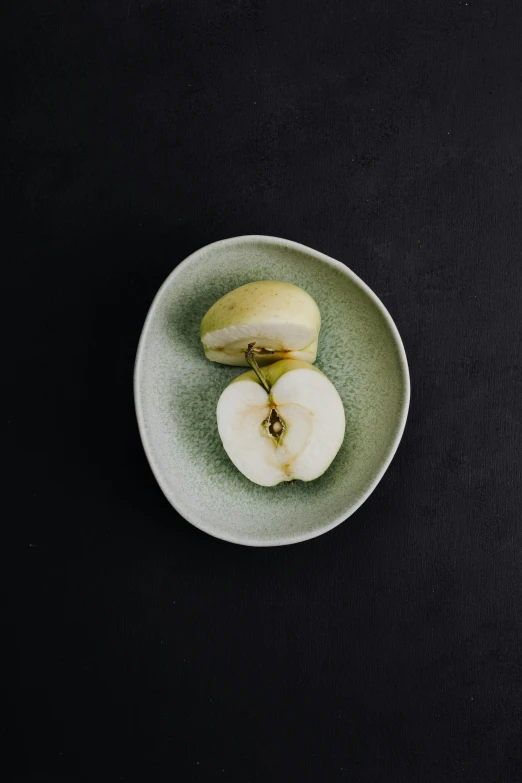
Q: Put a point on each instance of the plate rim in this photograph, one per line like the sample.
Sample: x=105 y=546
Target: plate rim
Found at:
x=175 y=501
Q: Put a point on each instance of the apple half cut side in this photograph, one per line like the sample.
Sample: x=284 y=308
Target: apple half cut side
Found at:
x=280 y=318
x=280 y=424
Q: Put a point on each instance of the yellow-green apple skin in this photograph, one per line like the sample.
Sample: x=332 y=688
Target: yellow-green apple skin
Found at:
x=280 y=318
x=293 y=431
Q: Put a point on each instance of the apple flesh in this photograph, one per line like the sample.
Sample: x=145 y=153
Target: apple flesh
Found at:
x=283 y=423
x=280 y=318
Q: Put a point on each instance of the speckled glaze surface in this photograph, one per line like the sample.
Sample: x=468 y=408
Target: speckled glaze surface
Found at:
x=177 y=389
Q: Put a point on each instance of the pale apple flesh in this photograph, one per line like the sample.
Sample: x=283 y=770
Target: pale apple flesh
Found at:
x=233 y=353
x=281 y=318
x=293 y=431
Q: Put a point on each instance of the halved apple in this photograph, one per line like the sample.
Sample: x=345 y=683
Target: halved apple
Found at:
x=283 y=423
x=280 y=318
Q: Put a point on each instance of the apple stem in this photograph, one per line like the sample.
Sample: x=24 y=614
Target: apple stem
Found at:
x=249 y=356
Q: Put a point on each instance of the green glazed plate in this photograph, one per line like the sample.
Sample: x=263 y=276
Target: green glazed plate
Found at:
x=176 y=391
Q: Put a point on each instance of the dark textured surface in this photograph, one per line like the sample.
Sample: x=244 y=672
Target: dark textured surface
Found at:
x=387 y=135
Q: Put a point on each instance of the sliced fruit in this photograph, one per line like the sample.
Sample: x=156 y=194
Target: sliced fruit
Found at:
x=282 y=423
x=280 y=318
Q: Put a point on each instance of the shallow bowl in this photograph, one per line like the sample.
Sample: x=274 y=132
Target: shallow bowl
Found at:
x=177 y=389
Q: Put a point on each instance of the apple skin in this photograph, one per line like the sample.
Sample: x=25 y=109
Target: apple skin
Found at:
x=278 y=316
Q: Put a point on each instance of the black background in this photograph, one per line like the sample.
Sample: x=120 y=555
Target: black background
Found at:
x=388 y=135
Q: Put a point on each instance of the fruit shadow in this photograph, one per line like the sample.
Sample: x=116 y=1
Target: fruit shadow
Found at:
x=182 y=324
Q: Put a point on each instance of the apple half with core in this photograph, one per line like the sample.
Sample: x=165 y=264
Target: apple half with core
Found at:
x=282 y=423
x=280 y=318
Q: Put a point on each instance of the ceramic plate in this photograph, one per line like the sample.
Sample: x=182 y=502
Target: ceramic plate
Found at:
x=177 y=389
